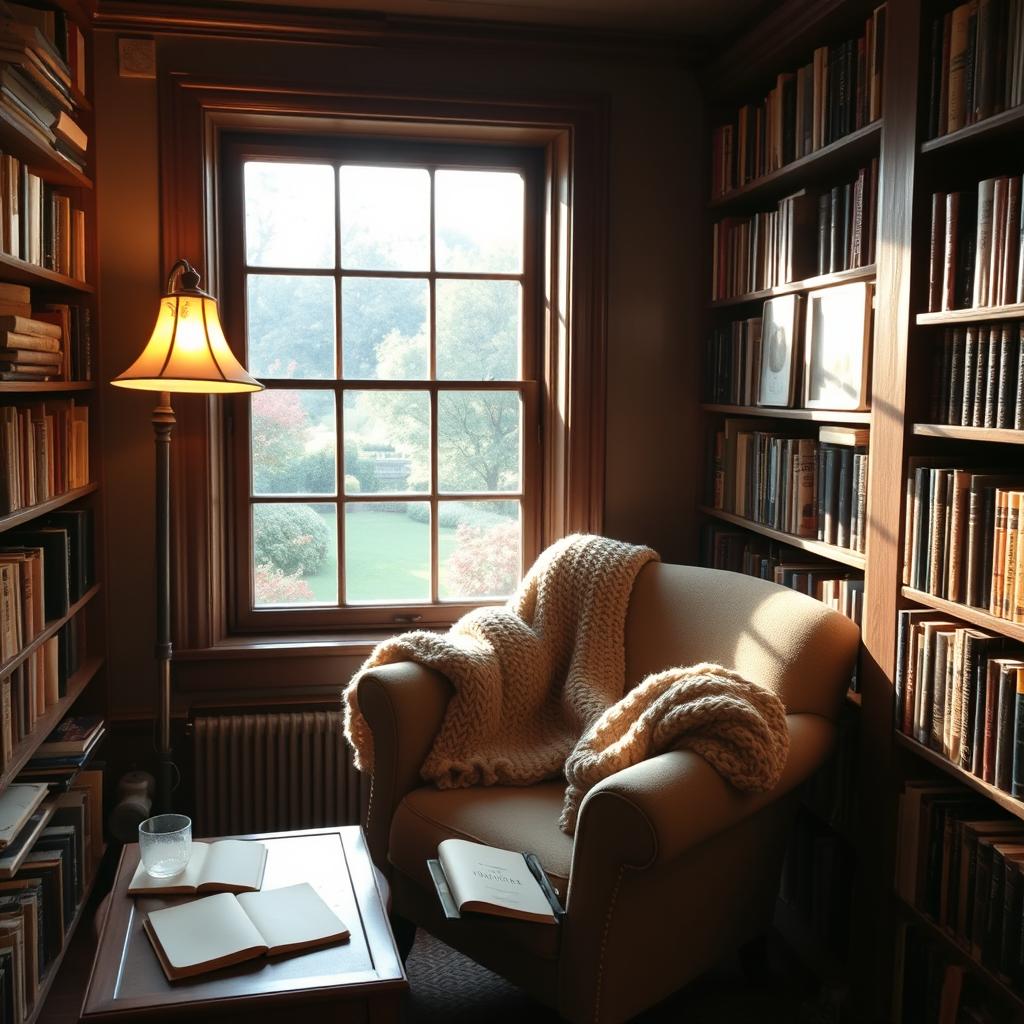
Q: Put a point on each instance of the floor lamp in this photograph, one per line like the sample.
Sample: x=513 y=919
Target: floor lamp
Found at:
x=187 y=352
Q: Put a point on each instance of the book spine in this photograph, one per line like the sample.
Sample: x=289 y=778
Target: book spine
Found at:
x=1017 y=788
x=936 y=262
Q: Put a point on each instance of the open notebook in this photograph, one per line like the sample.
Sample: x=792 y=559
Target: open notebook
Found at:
x=230 y=865
x=225 y=929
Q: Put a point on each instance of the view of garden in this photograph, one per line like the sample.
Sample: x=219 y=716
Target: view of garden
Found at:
x=385 y=336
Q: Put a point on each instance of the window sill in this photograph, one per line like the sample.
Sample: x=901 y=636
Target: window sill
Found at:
x=358 y=644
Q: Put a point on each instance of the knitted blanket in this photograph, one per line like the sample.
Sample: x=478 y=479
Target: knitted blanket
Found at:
x=530 y=678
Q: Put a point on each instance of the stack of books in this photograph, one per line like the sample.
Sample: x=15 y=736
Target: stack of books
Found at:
x=838 y=91
x=806 y=486
x=977 y=247
x=962 y=536
x=30 y=349
x=960 y=862
x=846 y=223
x=957 y=691
x=44 y=451
x=732 y=363
x=978 y=378
x=50 y=851
x=976 y=59
x=736 y=551
x=42 y=76
x=66 y=751
x=765 y=250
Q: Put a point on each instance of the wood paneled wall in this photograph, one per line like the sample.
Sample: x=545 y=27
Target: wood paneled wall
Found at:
x=657 y=172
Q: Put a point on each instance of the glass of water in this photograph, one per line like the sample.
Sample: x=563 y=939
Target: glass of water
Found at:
x=165 y=844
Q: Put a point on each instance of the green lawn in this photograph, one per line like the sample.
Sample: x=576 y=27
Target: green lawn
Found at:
x=388 y=558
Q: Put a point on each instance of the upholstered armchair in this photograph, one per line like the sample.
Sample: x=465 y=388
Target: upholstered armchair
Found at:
x=670 y=867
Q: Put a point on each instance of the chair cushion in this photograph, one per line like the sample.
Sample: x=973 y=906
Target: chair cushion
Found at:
x=510 y=817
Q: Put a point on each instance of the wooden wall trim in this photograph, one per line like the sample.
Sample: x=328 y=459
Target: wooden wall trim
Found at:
x=361 y=28
x=192 y=114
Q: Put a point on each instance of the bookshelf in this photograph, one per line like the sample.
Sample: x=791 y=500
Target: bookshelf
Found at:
x=783 y=41
x=49 y=266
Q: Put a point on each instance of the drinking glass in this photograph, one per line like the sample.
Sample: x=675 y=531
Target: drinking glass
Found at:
x=165 y=844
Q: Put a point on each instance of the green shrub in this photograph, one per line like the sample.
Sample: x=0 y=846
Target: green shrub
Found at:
x=292 y=538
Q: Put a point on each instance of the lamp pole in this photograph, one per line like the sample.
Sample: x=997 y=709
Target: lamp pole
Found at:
x=163 y=424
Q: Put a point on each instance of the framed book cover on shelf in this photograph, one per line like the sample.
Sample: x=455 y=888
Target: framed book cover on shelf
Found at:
x=780 y=352
x=837 y=347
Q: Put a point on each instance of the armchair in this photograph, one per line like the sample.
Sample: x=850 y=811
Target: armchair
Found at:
x=670 y=867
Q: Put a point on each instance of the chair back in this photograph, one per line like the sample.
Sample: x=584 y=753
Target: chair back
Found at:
x=791 y=643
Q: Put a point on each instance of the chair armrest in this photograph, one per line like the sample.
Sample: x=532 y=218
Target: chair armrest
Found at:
x=404 y=705
x=652 y=812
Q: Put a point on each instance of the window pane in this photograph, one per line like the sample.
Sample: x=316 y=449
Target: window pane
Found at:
x=385 y=218
x=385 y=328
x=479 y=221
x=289 y=215
x=480 y=548
x=295 y=554
x=387 y=442
x=294 y=450
x=387 y=552
x=478 y=328
x=478 y=440
x=290 y=326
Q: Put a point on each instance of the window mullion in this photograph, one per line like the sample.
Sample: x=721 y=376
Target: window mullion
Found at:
x=435 y=525
x=339 y=394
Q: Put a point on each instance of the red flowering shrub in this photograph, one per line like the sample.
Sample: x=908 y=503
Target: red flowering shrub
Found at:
x=486 y=560
x=275 y=587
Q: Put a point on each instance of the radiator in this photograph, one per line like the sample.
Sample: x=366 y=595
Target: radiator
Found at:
x=273 y=771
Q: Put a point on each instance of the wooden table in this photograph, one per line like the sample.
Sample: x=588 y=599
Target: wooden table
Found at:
x=359 y=981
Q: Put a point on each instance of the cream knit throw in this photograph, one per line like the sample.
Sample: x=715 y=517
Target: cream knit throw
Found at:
x=532 y=677
x=738 y=727
x=529 y=677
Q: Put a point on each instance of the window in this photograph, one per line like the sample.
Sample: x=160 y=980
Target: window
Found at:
x=387 y=294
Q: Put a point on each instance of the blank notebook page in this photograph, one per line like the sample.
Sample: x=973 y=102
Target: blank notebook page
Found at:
x=293 y=916
x=204 y=930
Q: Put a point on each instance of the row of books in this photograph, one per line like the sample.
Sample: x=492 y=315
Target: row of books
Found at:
x=959 y=863
x=809 y=487
x=38 y=222
x=978 y=378
x=976 y=63
x=766 y=249
x=732 y=362
x=962 y=536
x=977 y=247
x=957 y=692
x=933 y=988
x=838 y=91
x=736 y=551
x=815 y=881
x=45 y=869
x=43 y=77
x=846 y=223
x=45 y=451
x=41 y=331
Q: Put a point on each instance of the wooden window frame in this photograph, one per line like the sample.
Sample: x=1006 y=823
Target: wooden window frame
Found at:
x=571 y=136
x=244 y=615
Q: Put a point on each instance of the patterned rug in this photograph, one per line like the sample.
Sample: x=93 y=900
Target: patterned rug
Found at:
x=447 y=988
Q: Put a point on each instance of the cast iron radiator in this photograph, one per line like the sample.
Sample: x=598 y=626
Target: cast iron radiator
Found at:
x=273 y=771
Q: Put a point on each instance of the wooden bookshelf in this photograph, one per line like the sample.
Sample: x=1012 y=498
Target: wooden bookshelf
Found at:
x=26 y=515
x=1007 y=802
x=809 y=415
x=21 y=271
x=35 y=387
x=1009 y=122
x=808 y=284
x=46 y=722
x=33 y=148
x=815 y=547
x=975 y=314
x=1000 y=435
x=51 y=627
x=851 y=149
x=975 y=616
x=944 y=939
x=54 y=969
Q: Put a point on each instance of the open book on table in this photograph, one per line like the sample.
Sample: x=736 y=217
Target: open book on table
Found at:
x=230 y=865
x=472 y=877
x=225 y=929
